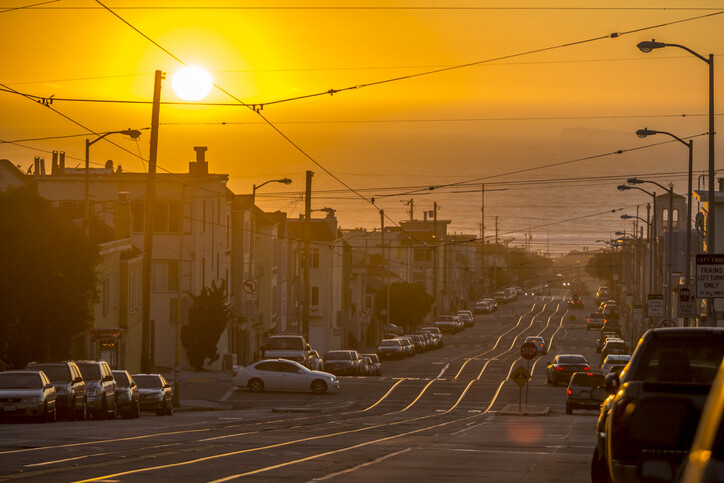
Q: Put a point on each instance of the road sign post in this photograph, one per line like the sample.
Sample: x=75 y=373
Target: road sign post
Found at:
x=520 y=376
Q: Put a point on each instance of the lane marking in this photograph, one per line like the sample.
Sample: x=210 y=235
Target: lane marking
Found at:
x=360 y=466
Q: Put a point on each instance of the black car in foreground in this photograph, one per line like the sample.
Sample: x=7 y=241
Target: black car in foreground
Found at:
x=651 y=420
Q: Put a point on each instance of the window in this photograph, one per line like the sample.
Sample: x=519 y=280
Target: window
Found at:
x=314 y=252
x=167 y=276
x=166 y=217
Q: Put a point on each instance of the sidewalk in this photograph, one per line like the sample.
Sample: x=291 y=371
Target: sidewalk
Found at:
x=202 y=390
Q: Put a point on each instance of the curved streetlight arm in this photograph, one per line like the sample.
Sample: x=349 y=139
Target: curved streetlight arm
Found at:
x=623 y=187
x=637 y=181
x=647 y=47
x=631 y=217
x=283 y=181
x=134 y=133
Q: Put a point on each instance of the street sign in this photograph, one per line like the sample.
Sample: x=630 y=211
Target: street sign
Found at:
x=656 y=304
x=528 y=350
x=638 y=313
x=687 y=303
x=709 y=275
x=365 y=313
x=520 y=376
x=248 y=290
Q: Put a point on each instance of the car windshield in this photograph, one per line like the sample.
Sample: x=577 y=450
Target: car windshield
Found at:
x=285 y=344
x=148 y=381
x=534 y=339
x=90 y=372
x=55 y=372
x=389 y=343
x=121 y=379
x=338 y=356
x=571 y=360
x=587 y=379
x=17 y=380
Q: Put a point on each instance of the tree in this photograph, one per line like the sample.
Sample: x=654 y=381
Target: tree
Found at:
x=409 y=304
x=49 y=281
x=208 y=316
x=603 y=265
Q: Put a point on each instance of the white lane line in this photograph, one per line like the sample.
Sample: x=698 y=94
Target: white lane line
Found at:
x=57 y=461
x=228 y=394
x=355 y=468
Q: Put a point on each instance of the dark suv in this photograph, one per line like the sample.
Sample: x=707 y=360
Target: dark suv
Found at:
x=100 y=388
x=69 y=387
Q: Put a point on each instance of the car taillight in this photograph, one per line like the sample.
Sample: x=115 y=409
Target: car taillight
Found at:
x=559 y=368
x=586 y=368
x=570 y=392
x=234 y=373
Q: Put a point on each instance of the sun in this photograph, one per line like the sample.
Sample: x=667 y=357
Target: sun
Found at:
x=192 y=83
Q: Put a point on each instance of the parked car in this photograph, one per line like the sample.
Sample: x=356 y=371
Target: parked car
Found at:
x=69 y=387
x=27 y=393
x=612 y=360
x=390 y=349
x=466 y=317
x=585 y=391
x=430 y=341
x=394 y=329
x=419 y=342
x=500 y=297
x=539 y=342
x=292 y=347
x=594 y=320
x=100 y=388
x=128 y=398
x=283 y=375
x=562 y=367
x=493 y=303
x=447 y=323
x=408 y=346
x=343 y=363
x=155 y=393
x=374 y=364
x=482 y=307
x=652 y=419
x=605 y=335
x=436 y=333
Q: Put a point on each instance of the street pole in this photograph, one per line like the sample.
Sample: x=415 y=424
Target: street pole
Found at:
x=177 y=351
x=670 y=254
x=387 y=273
x=687 y=277
x=307 y=238
x=146 y=358
x=434 y=258
x=482 y=238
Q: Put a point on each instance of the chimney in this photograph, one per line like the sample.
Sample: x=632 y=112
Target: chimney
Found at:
x=36 y=170
x=42 y=166
x=199 y=167
x=122 y=217
x=62 y=162
x=54 y=167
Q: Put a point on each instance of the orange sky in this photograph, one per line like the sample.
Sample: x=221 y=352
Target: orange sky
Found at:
x=467 y=123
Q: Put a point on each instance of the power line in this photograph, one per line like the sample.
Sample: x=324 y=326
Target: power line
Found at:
x=381 y=8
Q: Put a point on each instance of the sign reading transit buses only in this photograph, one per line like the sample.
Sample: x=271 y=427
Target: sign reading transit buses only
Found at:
x=709 y=275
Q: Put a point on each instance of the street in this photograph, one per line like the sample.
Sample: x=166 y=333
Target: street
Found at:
x=444 y=415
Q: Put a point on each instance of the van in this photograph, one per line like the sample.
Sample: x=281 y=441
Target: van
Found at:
x=290 y=347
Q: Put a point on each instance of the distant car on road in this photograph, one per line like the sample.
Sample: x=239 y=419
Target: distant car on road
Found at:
x=562 y=367
x=390 y=349
x=539 y=342
x=585 y=391
x=594 y=320
x=575 y=304
x=283 y=375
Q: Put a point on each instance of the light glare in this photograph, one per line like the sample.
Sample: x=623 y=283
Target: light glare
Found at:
x=192 y=83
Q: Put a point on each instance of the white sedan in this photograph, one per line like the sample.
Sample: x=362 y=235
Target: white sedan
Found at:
x=283 y=375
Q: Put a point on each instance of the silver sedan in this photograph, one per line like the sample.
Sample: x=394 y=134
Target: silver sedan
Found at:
x=283 y=375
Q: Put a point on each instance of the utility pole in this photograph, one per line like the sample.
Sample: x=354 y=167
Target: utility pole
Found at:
x=411 y=211
x=385 y=268
x=482 y=238
x=434 y=257
x=148 y=228
x=307 y=238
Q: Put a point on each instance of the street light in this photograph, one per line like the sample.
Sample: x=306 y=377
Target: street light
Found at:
x=134 y=134
x=652 y=235
x=647 y=47
x=252 y=238
x=642 y=133
x=670 y=251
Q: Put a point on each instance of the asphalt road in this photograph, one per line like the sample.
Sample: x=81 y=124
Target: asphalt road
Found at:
x=445 y=415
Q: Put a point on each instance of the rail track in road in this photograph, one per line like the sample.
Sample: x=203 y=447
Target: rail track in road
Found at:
x=464 y=390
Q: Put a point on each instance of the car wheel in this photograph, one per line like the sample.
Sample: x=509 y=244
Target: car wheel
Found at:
x=599 y=469
x=319 y=387
x=569 y=409
x=137 y=409
x=256 y=385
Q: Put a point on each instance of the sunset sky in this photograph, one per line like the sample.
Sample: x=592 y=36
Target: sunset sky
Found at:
x=547 y=88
